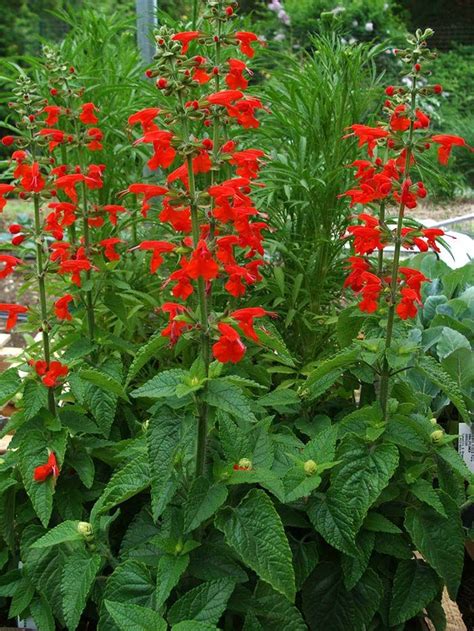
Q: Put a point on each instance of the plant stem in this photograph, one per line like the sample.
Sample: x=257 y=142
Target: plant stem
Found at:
x=40 y=274
x=195 y=13
x=201 y=447
x=385 y=374
x=87 y=247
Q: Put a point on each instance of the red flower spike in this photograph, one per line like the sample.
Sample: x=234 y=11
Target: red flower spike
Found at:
x=229 y=347
x=42 y=473
x=87 y=115
x=13 y=312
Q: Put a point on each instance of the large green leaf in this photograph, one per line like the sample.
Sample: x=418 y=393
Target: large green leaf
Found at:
x=66 y=531
x=78 y=577
x=10 y=383
x=430 y=368
x=162 y=438
x=193 y=625
x=130 y=617
x=203 y=501
x=254 y=530
x=145 y=353
x=35 y=397
x=439 y=539
x=169 y=571
x=42 y=614
x=414 y=586
x=451 y=341
x=205 y=603
x=273 y=610
x=162 y=385
x=226 y=396
x=103 y=381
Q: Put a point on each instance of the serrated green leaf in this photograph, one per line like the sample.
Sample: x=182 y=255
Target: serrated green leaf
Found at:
x=145 y=353
x=83 y=465
x=281 y=399
x=254 y=530
x=103 y=381
x=229 y=398
x=379 y=523
x=163 y=439
x=414 y=586
x=21 y=598
x=204 y=499
x=425 y=492
x=439 y=539
x=135 y=617
x=35 y=397
x=274 y=611
x=334 y=523
x=170 y=569
x=162 y=385
x=78 y=577
x=204 y=603
x=216 y=560
x=193 y=625
x=10 y=383
x=327 y=373
x=66 y=531
x=42 y=614
x=450 y=456
x=297 y=484
x=429 y=367
x=354 y=567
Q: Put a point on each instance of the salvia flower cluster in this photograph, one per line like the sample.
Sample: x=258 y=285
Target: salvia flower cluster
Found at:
x=213 y=230
x=385 y=178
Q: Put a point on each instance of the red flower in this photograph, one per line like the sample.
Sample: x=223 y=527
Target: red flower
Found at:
x=56 y=136
x=4 y=189
x=50 y=374
x=413 y=279
x=61 y=307
x=164 y=152
x=31 y=180
x=87 y=115
x=202 y=264
x=370 y=290
x=75 y=267
x=149 y=191
x=10 y=263
x=113 y=210
x=96 y=136
x=368 y=237
x=43 y=472
x=245 y=318
x=245 y=40
x=109 y=248
x=368 y=136
x=13 y=313
x=229 y=347
x=186 y=37
x=179 y=218
x=446 y=143
x=398 y=120
x=431 y=234
x=422 y=120
x=175 y=327
x=61 y=251
x=224 y=97
x=157 y=248
x=53 y=112
x=358 y=267
x=247 y=162
x=406 y=308
x=244 y=111
x=235 y=78
x=68 y=183
x=145 y=118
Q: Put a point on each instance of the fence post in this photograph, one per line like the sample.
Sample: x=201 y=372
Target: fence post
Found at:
x=146 y=21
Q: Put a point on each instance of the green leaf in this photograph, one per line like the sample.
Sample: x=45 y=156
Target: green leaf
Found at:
x=145 y=353
x=451 y=341
x=437 y=616
x=216 y=560
x=327 y=604
x=163 y=437
x=82 y=464
x=135 y=617
x=193 y=625
x=10 y=383
x=103 y=381
x=354 y=567
x=297 y=484
x=203 y=501
x=162 y=386
x=205 y=603
x=424 y=491
x=414 y=586
x=407 y=432
x=274 y=611
x=281 y=399
x=229 y=398
x=327 y=373
x=22 y=597
x=429 y=367
x=334 y=523
x=67 y=531
x=439 y=539
x=170 y=569
x=450 y=456
x=322 y=448
x=379 y=523
x=35 y=397
x=78 y=577
x=42 y=614
x=254 y=530
x=128 y=481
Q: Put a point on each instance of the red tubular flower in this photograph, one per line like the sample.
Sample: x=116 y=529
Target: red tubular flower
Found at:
x=413 y=279
x=43 y=472
x=186 y=37
x=175 y=328
x=164 y=152
x=9 y=262
x=113 y=210
x=50 y=374
x=431 y=234
x=245 y=40
x=32 y=180
x=87 y=115
x=68 y=183
x=247 y=162
x=109 y=248
x=145 y=118
x=56 y=136
x=422 y=120
x=224 y=97
x=244 y=111
x=399 y=121
x=447 y=142
x=13 y=312
x=75 y=267
x=245 y=318
x=96 y=135
x=53 y=112
x=7 y=141
x=157 y=248
x=179 y=218
x=61 y=307
x=149 y=191
x=368 y=136
x=61 y=251
x=358 y=267
x=370 y=290
x=406 y=308
x=4 y=189
x=202 y=264
x=235 y=78
x=229 y=347
x=367 y=238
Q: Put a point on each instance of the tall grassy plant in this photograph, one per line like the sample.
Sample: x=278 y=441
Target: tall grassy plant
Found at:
x=313 y=100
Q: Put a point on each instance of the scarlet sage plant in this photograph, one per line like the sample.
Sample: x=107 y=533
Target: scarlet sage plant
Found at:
x=214 y=232
x=386 y=178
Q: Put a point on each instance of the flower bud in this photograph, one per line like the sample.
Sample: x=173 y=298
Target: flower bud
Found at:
x=84 y=528
x=18 y=240
x=229 y=11
x=417 y=67
x=161 y=83
x=310 y=467
x=433 y=421
x=15 y=228
x=244 y=464
x=53 y=92
x=437 y=437
x=149 y=73
x=8 y=140
x=390 y=90
x=438 y=88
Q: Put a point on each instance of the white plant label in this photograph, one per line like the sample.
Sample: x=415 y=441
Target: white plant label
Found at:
x=466 y=445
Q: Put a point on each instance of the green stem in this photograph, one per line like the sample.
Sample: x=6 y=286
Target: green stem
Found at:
x=87 y=247
x=385 y=374
x=201 y=447
x=40 y=275
x=195 y=13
